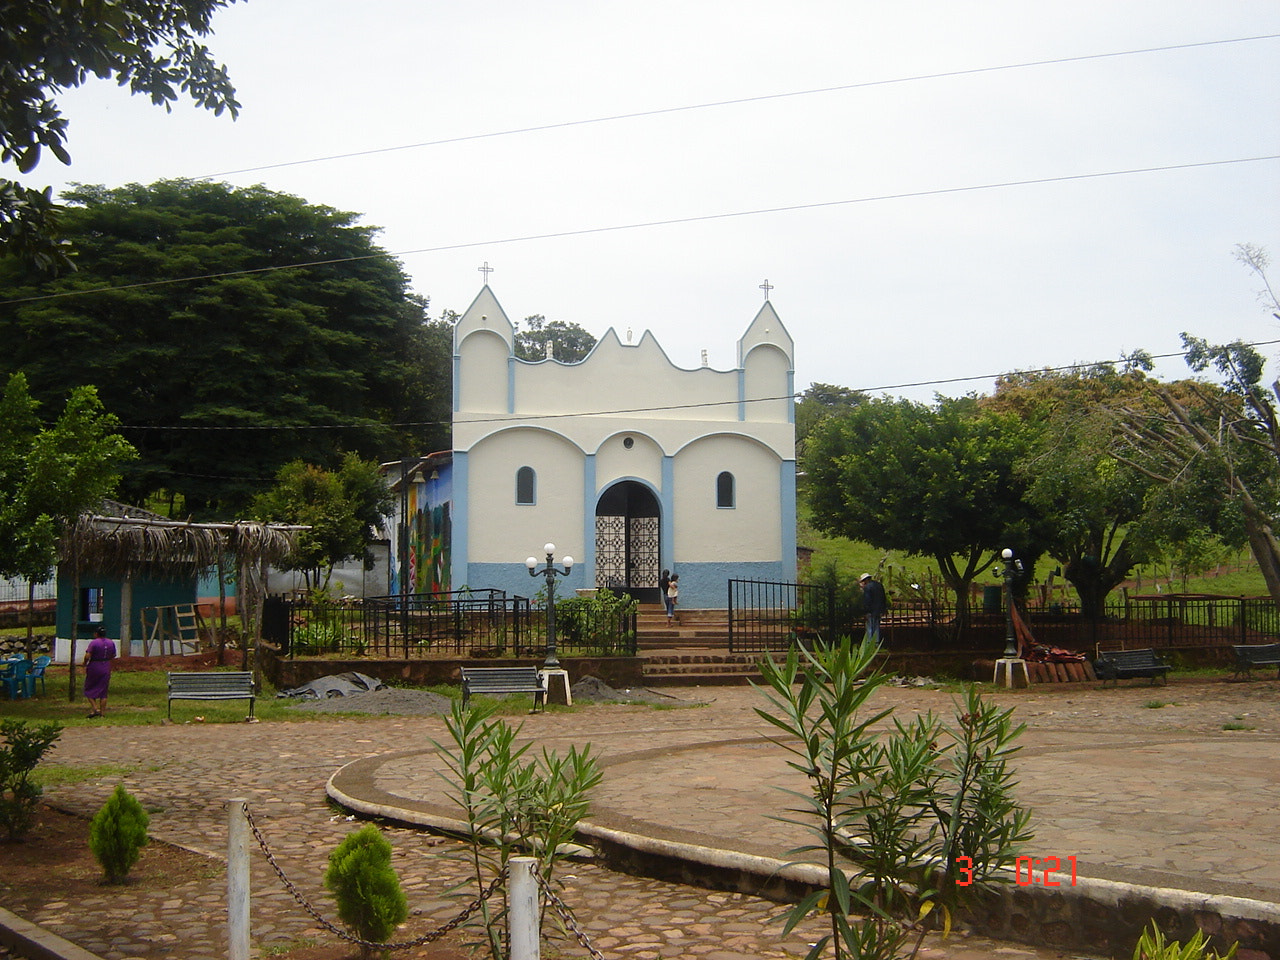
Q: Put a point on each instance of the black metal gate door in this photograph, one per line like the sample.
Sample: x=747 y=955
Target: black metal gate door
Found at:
x=627 y=541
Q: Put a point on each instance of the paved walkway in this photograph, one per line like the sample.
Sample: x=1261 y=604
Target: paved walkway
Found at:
x=1154 y=794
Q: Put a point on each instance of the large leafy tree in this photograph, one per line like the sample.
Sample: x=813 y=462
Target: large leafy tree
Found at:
x=937 y=481
x=1099 y=515
x=1228 y=432
x=50 y=473
x=47 y=46
x=343 y=508
x=819 y=401
x=255 y=362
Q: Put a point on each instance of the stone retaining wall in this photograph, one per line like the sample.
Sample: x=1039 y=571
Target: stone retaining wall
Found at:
x=1099 y=916
x=618 y=672
x=17 y=643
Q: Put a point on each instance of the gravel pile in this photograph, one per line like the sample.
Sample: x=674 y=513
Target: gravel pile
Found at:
x=388 y=700
x=406 y=702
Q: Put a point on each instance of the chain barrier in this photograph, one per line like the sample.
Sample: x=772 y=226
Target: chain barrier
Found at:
x=306 y=905
x=566 y=916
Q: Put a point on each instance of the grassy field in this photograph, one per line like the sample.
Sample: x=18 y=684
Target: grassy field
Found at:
x=1236 y=578
x=139 y=698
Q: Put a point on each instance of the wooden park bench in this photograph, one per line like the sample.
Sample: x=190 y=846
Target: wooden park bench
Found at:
x=1257 y=655
x=214 y=685
x=500 y=681
x=1117 y=665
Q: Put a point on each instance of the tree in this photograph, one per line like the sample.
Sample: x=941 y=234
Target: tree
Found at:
x=50 y=475
x=280 y=362
x=570 y=343
x=344 y=509
x=935 y=481
x=818 y=402
x=1230 y=429
x=47 y=46
x=1229 y=432
x=1100 y=516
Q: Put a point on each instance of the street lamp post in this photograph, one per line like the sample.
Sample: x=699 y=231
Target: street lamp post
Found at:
x=550 y=571
x=1012 y=567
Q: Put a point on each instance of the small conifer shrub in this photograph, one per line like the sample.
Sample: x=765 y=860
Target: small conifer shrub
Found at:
x=118 y=833
x=366 y=888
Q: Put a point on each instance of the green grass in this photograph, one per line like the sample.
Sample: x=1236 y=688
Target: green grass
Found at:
x=1234 y=725
x=1155 y=704
x=1238 y=578
x=141 y=698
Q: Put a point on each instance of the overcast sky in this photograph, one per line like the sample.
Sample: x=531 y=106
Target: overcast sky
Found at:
x=890 y=268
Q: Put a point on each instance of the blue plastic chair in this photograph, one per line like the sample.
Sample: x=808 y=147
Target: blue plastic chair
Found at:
x=37 y=675
x=14 y=678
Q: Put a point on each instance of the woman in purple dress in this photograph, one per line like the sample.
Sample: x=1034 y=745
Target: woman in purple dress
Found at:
x=97 y=671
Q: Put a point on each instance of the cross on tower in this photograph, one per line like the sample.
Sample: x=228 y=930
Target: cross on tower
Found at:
x=486 y=270
x=766 y=287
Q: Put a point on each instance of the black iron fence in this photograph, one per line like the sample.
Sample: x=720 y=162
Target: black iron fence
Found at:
x=464 y=624
x=770 y=616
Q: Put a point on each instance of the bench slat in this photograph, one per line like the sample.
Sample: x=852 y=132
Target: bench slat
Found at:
x=1117 y=665
x=218 y=685
x=502 y=680
x=1253 y=655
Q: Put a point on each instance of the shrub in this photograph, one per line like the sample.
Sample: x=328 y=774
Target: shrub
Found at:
x=366 y=888
x=21 y=750
x=1153 y=946
x=921 y=812
x=118 y=833
x=512 y=802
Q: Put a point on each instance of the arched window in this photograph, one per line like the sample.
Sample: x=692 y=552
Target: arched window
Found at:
x=724 y=491
x=526 y=485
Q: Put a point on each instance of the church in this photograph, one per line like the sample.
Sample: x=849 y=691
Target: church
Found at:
x=626 y=462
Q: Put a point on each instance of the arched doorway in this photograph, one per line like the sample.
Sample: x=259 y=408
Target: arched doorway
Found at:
x=627 y=542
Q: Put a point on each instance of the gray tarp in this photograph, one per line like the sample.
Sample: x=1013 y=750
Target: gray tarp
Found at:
x=337 y=685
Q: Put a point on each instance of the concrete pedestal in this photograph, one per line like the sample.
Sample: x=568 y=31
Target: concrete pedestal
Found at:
x=1011 y=672
x=558 y=691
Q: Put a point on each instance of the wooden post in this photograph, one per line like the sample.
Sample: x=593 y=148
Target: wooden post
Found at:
x=75 y=621
x=222 y=607
x=237 y=880
x=126 y=615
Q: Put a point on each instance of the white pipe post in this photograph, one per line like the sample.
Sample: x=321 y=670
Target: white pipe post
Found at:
x=237 y=880
x=523 y=893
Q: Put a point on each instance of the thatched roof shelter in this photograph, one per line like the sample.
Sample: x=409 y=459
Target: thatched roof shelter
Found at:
x=121 y=539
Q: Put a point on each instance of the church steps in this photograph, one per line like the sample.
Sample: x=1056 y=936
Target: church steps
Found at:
x=691 y=652
x=699 y=668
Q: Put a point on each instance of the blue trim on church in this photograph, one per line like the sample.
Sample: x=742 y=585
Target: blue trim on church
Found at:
x=787 y=485
x=461 y=512
x=457 y=382
x=705 y=586
x=515 y=580
x=589 y=499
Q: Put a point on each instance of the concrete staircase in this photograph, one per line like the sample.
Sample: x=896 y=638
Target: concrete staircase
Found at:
x=693 y=651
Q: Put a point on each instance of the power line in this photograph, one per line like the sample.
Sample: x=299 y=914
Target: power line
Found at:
x=675 y=406
x=649 y=224
x=660 y=111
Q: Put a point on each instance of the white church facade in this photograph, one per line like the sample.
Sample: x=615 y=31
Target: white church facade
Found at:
x=624 y=461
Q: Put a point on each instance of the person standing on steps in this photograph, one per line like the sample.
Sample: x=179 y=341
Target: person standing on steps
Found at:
x=874 y=604
x=97 y=671
x=673 y=598
x=664 y=581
